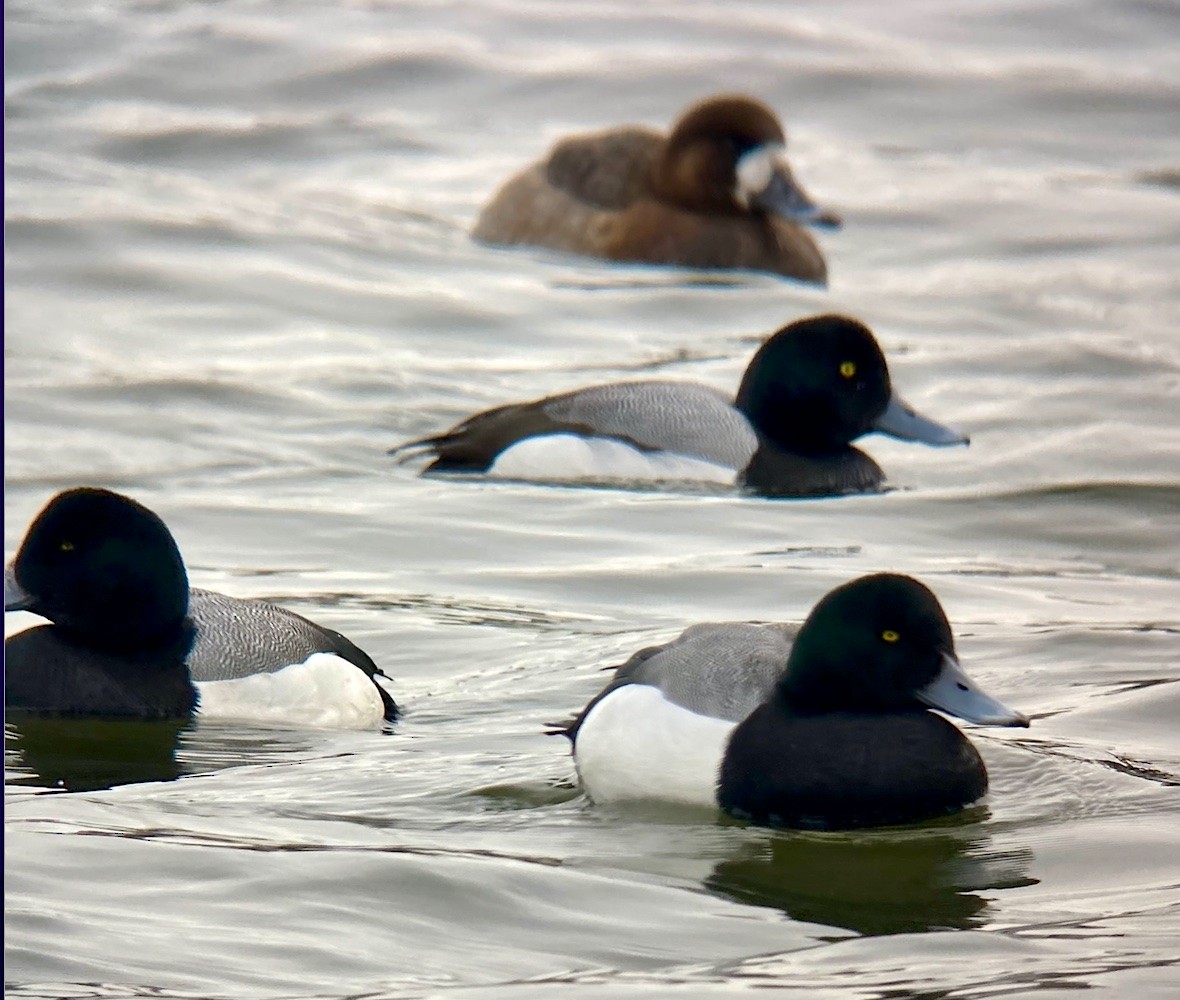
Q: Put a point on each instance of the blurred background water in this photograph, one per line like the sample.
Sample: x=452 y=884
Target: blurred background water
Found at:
x=237 y=270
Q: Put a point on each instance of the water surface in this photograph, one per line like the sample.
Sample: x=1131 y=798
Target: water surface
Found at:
x=237 y=271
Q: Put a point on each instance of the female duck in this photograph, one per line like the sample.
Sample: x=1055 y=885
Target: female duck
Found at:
x=810 y=390
x=715 y=193
x=825 y=728
x=129 y=638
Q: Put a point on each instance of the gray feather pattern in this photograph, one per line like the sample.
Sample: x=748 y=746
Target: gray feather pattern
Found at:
x=237 y=638
x=682 y=417
x=720 y=669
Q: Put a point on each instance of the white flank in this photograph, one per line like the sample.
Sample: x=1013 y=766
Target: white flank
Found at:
x=324 y=691
x=565 y=457
x=637 y=745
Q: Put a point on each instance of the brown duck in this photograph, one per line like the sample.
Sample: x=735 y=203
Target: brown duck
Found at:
x=716 y=192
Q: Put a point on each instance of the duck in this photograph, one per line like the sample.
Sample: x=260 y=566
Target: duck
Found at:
x=830 y=725
x=811 y=389
x=715 y=192
x=128 y=637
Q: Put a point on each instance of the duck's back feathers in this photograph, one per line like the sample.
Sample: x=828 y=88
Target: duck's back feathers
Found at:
x=723 y=670
x=684 y=418
x=678 y=417
x=720 y=670
x=235 y=638
x=607 y=170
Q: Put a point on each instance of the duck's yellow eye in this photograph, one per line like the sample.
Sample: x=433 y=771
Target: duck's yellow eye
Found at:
x=890 y=636
x=848 y=368
x=66 y=546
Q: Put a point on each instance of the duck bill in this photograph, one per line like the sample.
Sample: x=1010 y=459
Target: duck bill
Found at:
x=902 y=421
x=953 y=692
x=765 y=183
x=15 y=596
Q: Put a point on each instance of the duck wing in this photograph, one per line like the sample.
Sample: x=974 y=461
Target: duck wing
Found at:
x=722 y=670
x=607 y=170
x=681 y=417
x=236 y=638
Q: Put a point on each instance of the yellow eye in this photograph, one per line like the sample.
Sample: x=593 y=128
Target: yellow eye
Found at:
x=66 y=546
x=890 y=636
x=848 y=368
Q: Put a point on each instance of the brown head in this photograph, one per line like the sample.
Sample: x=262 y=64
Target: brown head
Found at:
x=727 y=156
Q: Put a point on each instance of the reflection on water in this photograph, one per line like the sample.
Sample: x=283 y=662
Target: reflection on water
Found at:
x=88 y=754
x=85 y=754
x=883 y=882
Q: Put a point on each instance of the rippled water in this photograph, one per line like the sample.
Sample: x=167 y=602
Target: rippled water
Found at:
x=237 y=271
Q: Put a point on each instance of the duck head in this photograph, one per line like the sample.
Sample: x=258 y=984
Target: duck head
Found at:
x=727 y=156
x=101 y=567
x=882 y=644
x=820 y=383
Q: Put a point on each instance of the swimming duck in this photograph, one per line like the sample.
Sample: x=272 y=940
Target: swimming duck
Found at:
x=812 y=388
x=129 y=637
x=827 y=726
x=716 y=192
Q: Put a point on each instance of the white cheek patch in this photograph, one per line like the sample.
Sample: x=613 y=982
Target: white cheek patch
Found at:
x=325 y=691
x=756 y=169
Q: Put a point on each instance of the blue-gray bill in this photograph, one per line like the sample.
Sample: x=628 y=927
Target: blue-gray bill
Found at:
x=765 y=182
x=953 y=692
x=902 y=421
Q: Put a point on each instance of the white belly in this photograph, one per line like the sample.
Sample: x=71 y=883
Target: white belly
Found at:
x=566 y=457
x=637 y=745
x=325 y=691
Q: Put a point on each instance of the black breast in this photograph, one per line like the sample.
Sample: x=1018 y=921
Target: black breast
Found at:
x=774 y=472
x=844 y=770
x=48 y=673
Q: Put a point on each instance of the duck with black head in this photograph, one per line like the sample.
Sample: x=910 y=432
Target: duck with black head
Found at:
x=129 y=638
x=810 y=390
x=716 y=192
x=827 y=726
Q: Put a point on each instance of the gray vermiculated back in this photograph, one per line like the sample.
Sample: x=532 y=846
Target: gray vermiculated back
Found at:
x=682 y=417
x=720 y=669
x=236 y=638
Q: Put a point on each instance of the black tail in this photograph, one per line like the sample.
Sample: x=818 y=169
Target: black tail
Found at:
x=567 y=727
x=407 y=451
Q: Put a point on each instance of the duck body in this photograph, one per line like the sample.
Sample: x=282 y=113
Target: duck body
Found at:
x=666 y=717
x=129 y=638
x=715 y=192
x=828 y=726
x=810 y=390
x=650 y=417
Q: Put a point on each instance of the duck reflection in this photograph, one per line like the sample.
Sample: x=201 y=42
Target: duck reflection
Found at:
x=85 y=754
x=883 y=882
x=81 y=754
